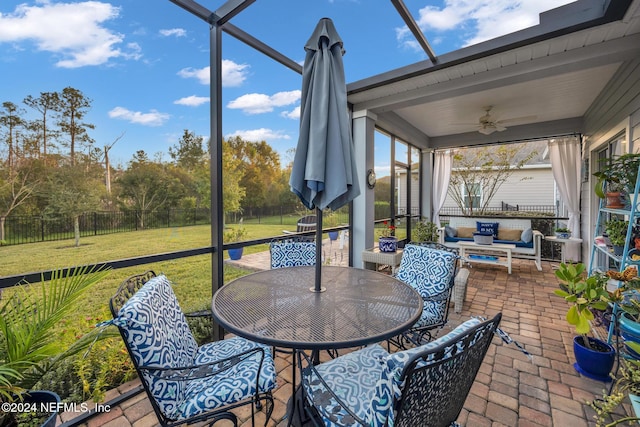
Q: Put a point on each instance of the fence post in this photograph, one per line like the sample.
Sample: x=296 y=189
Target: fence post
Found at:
x=41 y=229
x=95 y=223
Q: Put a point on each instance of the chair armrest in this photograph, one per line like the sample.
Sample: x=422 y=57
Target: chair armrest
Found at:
x=192 y=372
x=314 y=372
x=201 y=313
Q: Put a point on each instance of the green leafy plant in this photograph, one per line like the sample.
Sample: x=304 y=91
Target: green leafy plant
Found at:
x=28 y=348
x=425 y=231
x=562 y=230
x=617 y=231
x=626 y=382
x=582 y=293
x=619 y=174
x=235 y=235
x=388 y=230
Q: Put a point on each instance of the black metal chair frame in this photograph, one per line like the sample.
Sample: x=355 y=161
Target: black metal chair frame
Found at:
x=419 y=335
x=125 y=291
x=435 y=382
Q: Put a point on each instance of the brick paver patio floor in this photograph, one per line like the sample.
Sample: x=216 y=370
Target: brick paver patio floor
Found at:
x=510 y=390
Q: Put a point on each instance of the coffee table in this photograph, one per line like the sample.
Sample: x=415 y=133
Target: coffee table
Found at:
x=487 y=254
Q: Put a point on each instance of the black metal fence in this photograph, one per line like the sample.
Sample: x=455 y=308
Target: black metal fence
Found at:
x=31 y=229
x=546 y=210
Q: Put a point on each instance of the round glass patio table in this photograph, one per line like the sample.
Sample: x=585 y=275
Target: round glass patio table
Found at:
x=277 y=307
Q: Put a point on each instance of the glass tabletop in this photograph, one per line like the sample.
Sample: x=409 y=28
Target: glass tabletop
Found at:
x=277 y=307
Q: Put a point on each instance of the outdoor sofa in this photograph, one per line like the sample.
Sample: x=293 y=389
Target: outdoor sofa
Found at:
x=516 y=231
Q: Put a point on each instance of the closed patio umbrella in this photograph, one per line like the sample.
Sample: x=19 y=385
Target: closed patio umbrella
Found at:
x=324 y=171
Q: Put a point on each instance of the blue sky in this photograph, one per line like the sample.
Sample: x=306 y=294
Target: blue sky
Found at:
x=145 y=63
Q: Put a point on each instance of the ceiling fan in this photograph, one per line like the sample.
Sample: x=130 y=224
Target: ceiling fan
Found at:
x=487 y=124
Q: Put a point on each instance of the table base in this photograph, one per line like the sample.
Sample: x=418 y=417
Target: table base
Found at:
x=300 y=417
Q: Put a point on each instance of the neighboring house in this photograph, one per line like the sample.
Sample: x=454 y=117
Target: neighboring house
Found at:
x=531 y=185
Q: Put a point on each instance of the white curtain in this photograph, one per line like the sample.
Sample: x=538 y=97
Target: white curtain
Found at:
x=565 y=156
x=440 y=183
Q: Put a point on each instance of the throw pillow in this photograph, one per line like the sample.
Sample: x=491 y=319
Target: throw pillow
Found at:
x=527 y=235
x=509 y=234
x=450 y=231
x=466 y=232
x=487 y=227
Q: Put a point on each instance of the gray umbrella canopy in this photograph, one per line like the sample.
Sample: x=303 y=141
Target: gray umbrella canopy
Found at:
x=324 y=171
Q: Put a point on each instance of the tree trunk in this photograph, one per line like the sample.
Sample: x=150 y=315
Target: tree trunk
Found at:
x=2 y=221
x=76 y=229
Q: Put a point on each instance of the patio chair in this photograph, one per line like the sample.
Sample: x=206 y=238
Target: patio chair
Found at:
x=292 y=252
x=305 y=224
x=423 y=386
x=430 y=268
x=186 y=383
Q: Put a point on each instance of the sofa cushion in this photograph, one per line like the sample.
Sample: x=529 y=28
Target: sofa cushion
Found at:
x=487 y=227
x=509 y=234
x=527 y=235
x=465 y=232
x=450 y=231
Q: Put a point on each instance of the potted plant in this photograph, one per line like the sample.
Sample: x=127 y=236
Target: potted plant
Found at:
x=425 y=231
x=617 y=232
x=562 y=233
x=232 y=236
x=617 y=178
x=387 y=241
x=626 y=383
x=594 y=357
x=29 y=347
x=331 y=220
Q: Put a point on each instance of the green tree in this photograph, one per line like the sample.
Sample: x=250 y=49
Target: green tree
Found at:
x=72 y=191
x=47 y=104
x=188 y=153
x=11 y=121
x=486 y=169
x=147 y=186
x=232 y=190
x=73 y=108
x=261 y=166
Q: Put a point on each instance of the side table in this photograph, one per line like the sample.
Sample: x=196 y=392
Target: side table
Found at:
x=563 y=242
x=372 y=257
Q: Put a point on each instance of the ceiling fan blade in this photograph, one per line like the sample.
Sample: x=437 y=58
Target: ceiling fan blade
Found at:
x=487 y=130
x=517 y=119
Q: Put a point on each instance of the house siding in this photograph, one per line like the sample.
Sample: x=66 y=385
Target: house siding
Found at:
x=524 y=187
x=615 y=110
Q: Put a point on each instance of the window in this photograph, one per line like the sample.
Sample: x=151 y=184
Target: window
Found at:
x=472 y=195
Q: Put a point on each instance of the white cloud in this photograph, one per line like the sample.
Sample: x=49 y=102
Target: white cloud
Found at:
x=261 y=134
x=232 y=74
x=73 y=31
x=152 y=118
x=192 y=101
x=178 y=32
x=293 y=114
x=478 y=20
x=256 y=103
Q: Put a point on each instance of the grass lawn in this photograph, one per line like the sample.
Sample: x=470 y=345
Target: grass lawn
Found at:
x=191 y=278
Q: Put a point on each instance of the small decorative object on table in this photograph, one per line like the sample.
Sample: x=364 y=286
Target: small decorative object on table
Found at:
x=563 y=233
x=387 y=242
x=482 y=238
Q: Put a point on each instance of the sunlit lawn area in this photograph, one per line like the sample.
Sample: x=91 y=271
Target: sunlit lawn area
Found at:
x=191 y=278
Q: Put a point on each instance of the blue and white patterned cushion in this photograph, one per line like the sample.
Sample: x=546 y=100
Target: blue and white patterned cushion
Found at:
x=292 y=254
x=368 y=381
x=158 y=335
x=353 y=378
x=429 y=271
x=233 y=385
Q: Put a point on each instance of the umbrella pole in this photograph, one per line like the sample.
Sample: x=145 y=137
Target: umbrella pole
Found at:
x=318 y=279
